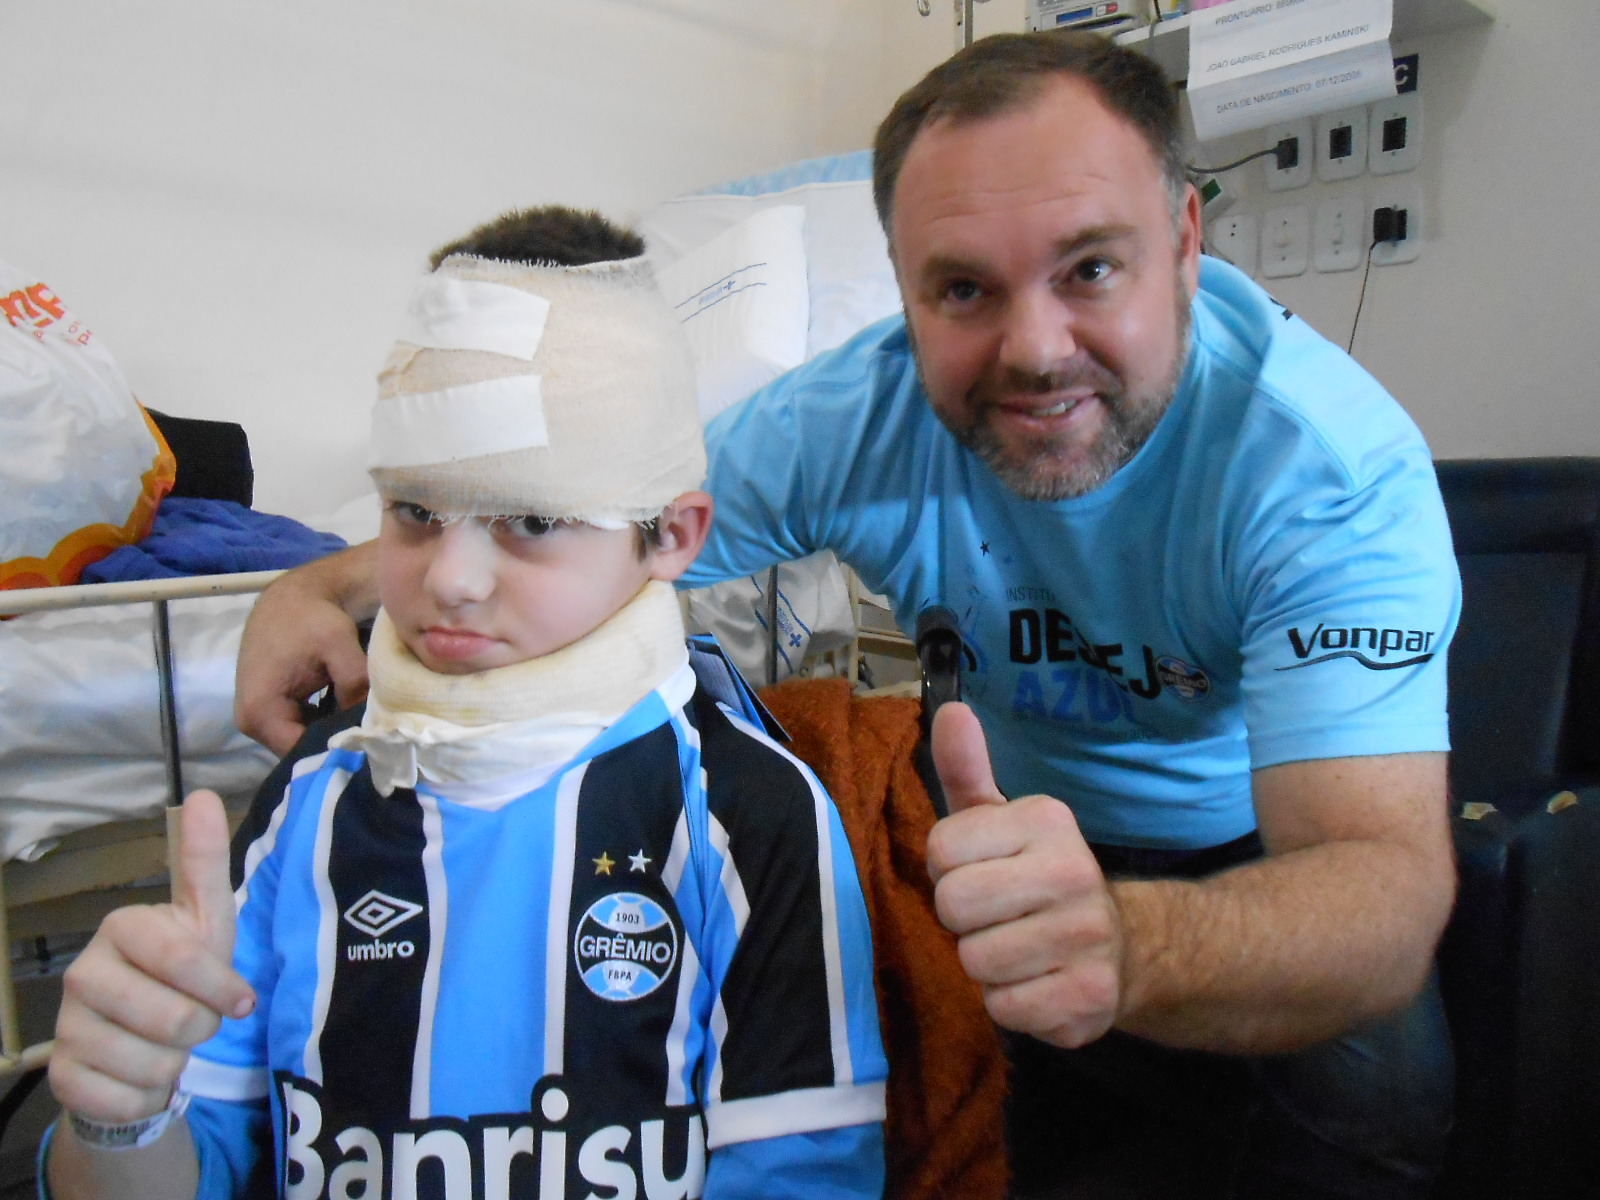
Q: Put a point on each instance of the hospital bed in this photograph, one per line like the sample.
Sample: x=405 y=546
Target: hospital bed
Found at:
x=117 y=698
x=85 y=831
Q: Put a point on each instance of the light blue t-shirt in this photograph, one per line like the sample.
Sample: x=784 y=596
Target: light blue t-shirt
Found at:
x=1270 y=579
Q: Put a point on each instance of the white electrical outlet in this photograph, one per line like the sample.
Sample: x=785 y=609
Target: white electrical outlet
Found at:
x=1340 y=232
x=1342 y=144
x=1394 y=133
x=1235 y=238
x=1402 y=194
x=1298 y=175
x=1285 y=241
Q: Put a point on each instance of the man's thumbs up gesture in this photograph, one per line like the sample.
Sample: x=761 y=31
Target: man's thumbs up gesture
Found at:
x=155 y=981
x=1018 y=886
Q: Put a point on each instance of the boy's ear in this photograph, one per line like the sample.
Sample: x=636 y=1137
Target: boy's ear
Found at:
x=683 y=528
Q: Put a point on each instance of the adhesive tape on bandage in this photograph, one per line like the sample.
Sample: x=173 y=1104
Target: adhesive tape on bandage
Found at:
x=469 y=314
x=468 y=421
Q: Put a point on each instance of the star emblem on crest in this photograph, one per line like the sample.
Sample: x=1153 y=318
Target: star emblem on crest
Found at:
x=638 y=862
x=603 y=864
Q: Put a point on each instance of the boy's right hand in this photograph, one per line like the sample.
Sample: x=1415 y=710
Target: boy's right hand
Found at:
x=155 y=981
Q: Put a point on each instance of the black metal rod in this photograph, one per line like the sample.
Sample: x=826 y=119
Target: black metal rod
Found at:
x=772 y=626
x=169 y=705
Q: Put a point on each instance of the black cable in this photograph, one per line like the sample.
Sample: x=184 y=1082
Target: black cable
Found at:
x=1363 y=298
x=18 y=1095
x=1194 y=170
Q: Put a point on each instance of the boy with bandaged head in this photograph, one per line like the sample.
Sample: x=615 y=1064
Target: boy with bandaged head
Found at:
x=557 y=914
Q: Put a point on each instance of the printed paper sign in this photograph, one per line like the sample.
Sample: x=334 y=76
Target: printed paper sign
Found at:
x=1343 y=80
x=1246 y=37
x=1255 y=62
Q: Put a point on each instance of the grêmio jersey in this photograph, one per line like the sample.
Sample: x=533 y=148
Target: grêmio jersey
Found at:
x=649 y=976
x=1269 y=579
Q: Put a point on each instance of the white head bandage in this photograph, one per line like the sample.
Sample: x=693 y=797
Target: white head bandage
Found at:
x=516 y=388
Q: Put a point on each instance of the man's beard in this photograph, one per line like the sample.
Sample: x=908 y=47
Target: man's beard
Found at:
x=1057 y=468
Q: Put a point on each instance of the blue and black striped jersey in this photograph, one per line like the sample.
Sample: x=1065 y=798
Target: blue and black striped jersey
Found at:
x=660 y=951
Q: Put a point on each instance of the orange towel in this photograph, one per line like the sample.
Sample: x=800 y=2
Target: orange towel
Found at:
x=947 y=1072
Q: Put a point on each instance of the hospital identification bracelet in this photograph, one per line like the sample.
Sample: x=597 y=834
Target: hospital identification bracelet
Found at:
x=131 y=1135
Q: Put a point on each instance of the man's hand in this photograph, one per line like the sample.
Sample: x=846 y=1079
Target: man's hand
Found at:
x=1335 y=925
x=301 y=638
x=153 y=983
x=1018 y=886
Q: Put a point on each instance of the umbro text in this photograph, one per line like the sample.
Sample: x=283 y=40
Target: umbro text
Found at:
x=373 y=951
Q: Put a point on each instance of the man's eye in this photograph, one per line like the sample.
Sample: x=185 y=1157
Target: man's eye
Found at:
x=1092 y=270
x=962 y=291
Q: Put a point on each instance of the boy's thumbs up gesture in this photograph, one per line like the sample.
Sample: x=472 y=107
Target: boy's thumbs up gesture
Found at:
x=1019 y=887
x=155 y=981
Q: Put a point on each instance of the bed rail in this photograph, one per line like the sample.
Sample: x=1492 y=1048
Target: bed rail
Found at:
x=90 y=595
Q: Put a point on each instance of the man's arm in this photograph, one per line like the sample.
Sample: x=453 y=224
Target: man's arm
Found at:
x=1335 y=925
x=301 y=637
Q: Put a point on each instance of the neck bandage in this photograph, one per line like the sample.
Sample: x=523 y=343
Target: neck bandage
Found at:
x=474 y=728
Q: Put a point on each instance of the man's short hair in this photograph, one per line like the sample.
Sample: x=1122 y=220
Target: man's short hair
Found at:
x=553 y=235
x=999 y=74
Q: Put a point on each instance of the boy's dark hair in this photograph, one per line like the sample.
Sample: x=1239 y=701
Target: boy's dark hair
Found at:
x=998 y=74
x=646 y=538
x=554 y=234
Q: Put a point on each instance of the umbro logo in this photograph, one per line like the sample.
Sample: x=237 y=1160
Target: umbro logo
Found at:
x=376 y=914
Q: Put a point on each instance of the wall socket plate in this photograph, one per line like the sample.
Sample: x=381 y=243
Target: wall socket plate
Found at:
x=1340 y=231
x=1298 y=175
x=1342 y=144
x=1236 y=237
x=1285 y=241
x=1397 y=193
x=1394 y=133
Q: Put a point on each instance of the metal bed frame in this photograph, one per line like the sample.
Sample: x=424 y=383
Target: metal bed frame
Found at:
x=48 y=896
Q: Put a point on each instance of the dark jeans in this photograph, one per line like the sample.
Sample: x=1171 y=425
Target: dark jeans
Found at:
x=1366 y=1115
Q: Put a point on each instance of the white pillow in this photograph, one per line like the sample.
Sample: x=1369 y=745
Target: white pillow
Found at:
x=847 y=260
x=742 y=299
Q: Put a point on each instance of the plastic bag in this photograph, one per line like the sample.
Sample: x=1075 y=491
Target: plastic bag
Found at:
x=82 y=467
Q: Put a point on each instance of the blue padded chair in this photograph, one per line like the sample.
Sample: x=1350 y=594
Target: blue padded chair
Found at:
x=1520 y=962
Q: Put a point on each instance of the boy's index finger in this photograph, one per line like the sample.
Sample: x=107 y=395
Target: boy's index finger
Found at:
x=202 y=889
x=961 y=756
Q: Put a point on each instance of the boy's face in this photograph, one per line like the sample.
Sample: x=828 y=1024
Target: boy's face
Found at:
x=473 y=594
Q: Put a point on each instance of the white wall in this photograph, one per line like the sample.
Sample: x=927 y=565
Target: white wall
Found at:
x=1492 y=338
x=237 y=195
